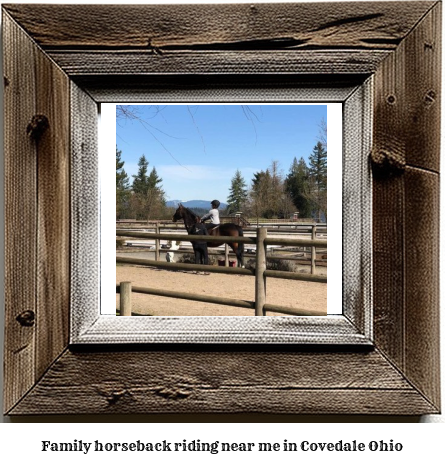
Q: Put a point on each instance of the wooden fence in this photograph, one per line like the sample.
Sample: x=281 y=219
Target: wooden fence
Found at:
x=261 y=273
x=312 y=229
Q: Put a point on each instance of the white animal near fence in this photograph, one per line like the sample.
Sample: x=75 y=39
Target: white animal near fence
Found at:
x=172 y=246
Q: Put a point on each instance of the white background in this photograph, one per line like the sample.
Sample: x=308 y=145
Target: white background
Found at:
x=20 y=439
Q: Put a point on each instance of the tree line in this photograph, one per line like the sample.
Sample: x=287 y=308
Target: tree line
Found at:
x=144 y=198
x=275 y=195
x=271 y=194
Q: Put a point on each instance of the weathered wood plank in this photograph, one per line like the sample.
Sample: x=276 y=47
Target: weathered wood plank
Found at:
x=421 y=213
x=423 y=92
x=388 y=268
x=422 y=324
x=20 y=214
x=53 y=234
x=406 y=135
x=389 y=142
x=85 y=240
x=349 y=25
x=219 y=87
x=216 y=381
x=128 y=62
x=357 y=208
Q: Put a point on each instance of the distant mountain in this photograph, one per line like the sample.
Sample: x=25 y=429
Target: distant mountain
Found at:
x=194 y=204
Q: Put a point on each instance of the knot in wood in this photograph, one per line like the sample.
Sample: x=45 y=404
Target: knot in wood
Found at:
x=387 y=162
x=37 y=126
x=172 y=393
x=115 y=396
x=26 y=318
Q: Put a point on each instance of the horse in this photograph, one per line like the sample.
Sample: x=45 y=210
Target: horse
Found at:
x=199 y=247
x=227 y=229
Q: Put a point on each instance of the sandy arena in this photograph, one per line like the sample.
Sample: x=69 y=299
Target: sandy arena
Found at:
x=290 y=293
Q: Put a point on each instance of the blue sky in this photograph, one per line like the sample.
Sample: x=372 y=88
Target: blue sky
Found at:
x=197 y=149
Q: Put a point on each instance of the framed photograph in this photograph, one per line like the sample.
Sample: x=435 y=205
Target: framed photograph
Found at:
x=265 y=165
x=377 y=352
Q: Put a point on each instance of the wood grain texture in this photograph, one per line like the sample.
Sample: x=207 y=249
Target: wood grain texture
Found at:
x=215 y=381
x=423 y=91
x=85 y=240
x=357 y=209
x=274 y=26
x=20 y=213
x=129 y=63
x=406 y=277
x=229 y=39
x=422 y=364
x=53 y=228
x=37 y=219
x=219 y=88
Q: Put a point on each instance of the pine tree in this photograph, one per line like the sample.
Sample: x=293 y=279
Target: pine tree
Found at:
x=140 y=180
x=297 y=186
x=153 y=179
x=318 y=179
x=155 y=191
x=148 y=198
x=276 y=189
x=122 y=186
x=238 y=193
x=259 y=194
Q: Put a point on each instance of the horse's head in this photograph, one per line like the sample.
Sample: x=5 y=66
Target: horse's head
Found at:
x=179 y=213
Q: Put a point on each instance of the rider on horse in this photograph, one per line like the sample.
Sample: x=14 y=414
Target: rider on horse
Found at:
x=212 y=215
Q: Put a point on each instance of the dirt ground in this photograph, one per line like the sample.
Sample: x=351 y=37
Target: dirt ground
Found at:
x=289 y=293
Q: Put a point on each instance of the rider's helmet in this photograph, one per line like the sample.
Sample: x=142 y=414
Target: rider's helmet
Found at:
x=215 y=203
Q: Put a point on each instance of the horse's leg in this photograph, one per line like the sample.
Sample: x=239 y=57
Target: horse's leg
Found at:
x=239 y=252
x=206 y=255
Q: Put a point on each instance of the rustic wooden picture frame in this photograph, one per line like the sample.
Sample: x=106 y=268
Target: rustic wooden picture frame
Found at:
x=57 y=69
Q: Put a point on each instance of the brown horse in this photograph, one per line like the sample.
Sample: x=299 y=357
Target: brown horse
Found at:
x=226 y=229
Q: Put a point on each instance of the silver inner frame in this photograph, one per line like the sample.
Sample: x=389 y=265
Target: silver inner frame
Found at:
x=354 y=326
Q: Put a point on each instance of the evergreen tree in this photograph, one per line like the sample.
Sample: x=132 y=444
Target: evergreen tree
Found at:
x=268 y=196
x=318 y=178
x=259 y=194
x=153 y=179
x=140 y=180
x=238 y=193
x=122 y=186
x=276 y=192
x=155 y=189
x=297 y=186
x=148 y=198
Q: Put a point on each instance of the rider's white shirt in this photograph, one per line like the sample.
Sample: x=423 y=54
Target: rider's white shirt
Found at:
x=212 y=215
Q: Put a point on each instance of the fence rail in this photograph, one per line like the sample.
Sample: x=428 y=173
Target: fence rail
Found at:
x=260 y=272
x=125 y=289
x=312 y=229
x=243 y=239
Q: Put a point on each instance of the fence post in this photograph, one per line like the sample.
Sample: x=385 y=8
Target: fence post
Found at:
x=125 y=298
x=260 y=268
x=157 y=243
x=313 y=251
x=226 y=253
